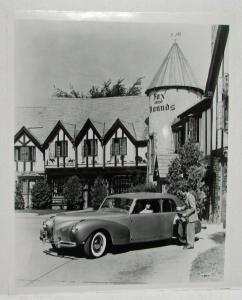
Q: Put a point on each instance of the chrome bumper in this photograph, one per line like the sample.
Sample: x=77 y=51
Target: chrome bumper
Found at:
x=58 y=243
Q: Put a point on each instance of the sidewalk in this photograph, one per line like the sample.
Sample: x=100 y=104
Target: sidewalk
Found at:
x=176 y=267
x=207 y=240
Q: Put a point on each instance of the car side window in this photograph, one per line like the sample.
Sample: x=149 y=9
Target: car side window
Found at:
x=168 y=205
x=146 y=206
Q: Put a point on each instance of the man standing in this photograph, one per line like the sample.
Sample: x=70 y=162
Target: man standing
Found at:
x=191 y=217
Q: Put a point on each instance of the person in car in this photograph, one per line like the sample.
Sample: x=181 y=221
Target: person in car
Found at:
x=147 y=209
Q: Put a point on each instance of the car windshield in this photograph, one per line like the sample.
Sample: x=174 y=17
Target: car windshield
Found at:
x=119 y=203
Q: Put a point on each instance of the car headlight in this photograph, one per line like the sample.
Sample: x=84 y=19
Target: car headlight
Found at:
x=76 y=227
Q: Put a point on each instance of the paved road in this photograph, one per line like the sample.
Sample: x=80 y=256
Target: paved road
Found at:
x=38 y=265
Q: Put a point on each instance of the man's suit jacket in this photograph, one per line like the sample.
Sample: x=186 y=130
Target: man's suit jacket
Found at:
x=191 y=210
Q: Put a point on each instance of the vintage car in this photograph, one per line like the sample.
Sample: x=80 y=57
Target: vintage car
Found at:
x=121 y=219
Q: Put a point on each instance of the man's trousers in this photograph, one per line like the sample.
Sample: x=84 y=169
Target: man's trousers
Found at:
x=190 y=234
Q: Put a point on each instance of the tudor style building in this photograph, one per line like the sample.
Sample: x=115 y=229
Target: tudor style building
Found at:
x=206 y=123
x=88 y=140
x=126 y=139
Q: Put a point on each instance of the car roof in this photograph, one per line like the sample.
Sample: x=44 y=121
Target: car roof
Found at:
x=147 y=195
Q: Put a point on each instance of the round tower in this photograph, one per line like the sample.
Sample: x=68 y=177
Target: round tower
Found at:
x=172 y=91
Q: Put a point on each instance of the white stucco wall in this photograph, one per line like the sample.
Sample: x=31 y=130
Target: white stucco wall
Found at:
x=163 y=111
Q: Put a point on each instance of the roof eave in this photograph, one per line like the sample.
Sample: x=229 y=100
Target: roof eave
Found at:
x=175 y=87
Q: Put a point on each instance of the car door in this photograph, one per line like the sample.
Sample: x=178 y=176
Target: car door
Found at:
x=168 y=214
x=145 y=226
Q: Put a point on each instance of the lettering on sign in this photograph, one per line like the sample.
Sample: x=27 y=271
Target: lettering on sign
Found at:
x=159 y=105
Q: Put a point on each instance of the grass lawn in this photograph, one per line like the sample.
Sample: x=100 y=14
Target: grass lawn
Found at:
x=209 y=265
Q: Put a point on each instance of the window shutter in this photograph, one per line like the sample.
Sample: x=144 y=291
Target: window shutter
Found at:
x=85 y=148
x=82 y=150
x=92 y=147
x=56 y=149
x=116 y=146
x=52 y=150
x=66 y=148
x=96 y=147
x=112 y=148
x=16 y=154
x=124 y=146
x=34 y=154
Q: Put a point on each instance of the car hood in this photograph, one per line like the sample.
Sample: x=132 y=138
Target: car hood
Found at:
x=83 y=215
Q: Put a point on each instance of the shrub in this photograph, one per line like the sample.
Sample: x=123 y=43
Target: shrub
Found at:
x=72 y=192
x=98 y=192
x=186 y=171
x=41 y=195
x=19 y=199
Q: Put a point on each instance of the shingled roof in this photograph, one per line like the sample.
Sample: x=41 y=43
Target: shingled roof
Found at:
x=74 y=112
x=175 y=71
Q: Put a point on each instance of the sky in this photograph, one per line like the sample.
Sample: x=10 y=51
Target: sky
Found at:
x=85 y=53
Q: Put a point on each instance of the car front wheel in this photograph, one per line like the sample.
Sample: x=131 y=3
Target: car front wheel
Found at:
x=96 y=245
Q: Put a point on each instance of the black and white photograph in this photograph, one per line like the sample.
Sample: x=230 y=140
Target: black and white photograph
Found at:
x=120 y=152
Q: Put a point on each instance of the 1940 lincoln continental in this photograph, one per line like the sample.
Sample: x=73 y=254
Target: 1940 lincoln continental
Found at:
x=121 y=219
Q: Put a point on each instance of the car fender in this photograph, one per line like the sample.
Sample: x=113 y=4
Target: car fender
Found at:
x=119 y=233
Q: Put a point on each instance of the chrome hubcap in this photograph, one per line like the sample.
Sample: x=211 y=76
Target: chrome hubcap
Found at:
x=98 y=244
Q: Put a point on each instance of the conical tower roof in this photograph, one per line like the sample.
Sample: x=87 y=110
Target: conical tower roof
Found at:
x=174 y=72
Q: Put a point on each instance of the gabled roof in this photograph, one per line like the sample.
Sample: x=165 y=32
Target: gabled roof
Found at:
x=96 y=127
x=73 y=114
x=25 y=131
x=54 y=132
x=175 y=71
x=119 y=124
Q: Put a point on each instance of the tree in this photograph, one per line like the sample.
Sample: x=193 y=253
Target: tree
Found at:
x=72 y=192
x=106 y=90
x=59 y=93
x=19 y=199
x=136 y=88
x=186 y=171
x=95 y=92
x=98 y=192
x=119 y=89
x=41 y=195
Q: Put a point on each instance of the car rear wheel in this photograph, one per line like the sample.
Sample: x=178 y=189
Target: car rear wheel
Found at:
x=96 y=245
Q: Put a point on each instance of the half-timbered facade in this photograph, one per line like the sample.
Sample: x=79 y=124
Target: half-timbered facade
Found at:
x=206 y=123
x=29 y=163
x=123 y=139
x=78 y=144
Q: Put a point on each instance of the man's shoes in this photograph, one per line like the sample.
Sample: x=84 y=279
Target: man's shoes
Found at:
x=188 y=247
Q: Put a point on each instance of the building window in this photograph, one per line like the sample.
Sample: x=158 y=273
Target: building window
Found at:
x=61 y=149
x=119 y=146
x=225 y=112
x=24 y=153
x=193 y=129
x=90 y=147
x=179 y=137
